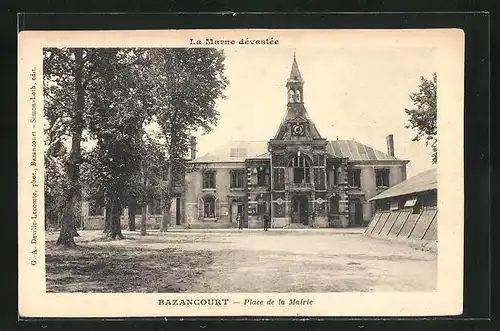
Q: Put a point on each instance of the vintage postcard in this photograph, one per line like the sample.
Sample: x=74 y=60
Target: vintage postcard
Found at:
x=241 y=173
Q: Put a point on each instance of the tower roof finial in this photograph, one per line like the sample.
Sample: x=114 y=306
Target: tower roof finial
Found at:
x=295 y=73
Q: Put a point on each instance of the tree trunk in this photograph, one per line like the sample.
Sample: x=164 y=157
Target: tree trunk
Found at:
x=59 y=218
x=144 y=218
x=76 y=216
x=107 y=218
x=165 y=220
x=73 y=168
x=131 y=216
x=116 y=228
x=66 y=238
x=167 y=199
x=145 y=209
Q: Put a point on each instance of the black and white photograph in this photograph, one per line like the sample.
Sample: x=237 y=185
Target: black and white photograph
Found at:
x=267 y=171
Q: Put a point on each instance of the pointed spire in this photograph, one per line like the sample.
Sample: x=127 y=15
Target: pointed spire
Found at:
x=295 y=75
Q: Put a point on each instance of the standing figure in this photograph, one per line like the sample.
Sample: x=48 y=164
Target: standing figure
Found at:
x=266 y=222
x=240 y=221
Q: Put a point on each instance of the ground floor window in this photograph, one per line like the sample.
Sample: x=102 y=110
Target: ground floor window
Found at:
x=356 y=212
x=279 y=210
x=334 y=205
x=261 y=208
x=209 y=207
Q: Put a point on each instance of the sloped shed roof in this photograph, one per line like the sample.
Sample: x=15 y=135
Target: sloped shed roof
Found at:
x=424 y=181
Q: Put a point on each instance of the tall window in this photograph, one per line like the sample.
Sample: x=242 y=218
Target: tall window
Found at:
x=319 y=178
x=382 y=177
x=300 y=169
x=354 y=177
x=209 y=207
x=209 y=179
x=237 y=178
x=334 y=205
x=279 y=178
x=319 y=159
x=261 y=176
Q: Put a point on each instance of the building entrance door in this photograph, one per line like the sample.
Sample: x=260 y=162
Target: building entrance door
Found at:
x=356 y=213
x=300 y=209
x=236 y=208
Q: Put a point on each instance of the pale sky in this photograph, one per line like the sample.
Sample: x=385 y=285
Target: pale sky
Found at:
x=356 y=92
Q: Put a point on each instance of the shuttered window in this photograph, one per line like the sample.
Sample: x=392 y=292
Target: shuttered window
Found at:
x=209 y=207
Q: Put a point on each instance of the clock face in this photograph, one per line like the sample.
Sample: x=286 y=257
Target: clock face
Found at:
x=298 y=129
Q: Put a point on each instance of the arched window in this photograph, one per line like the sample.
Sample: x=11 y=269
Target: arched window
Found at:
x=209 y=207
x=334 y=205
x=300 y=170
x=290 y=98
x=297 y=95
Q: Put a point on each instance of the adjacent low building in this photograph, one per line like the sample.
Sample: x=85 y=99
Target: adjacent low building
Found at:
x=407 y=210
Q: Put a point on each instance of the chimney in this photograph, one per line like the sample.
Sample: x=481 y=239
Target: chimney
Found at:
x=193 y=147
x=390 y=145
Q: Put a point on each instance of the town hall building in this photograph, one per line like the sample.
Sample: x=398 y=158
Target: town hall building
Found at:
x=298 y=177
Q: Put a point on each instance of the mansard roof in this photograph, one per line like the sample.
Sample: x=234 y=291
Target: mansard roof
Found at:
x=356 y=151
x=424 y=181
x=233 y=152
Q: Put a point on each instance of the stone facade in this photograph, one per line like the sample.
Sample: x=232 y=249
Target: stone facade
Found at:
x=297 y=178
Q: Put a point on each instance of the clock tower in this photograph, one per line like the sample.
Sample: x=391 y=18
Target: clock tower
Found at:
x=298 y=162
x=297 y=125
